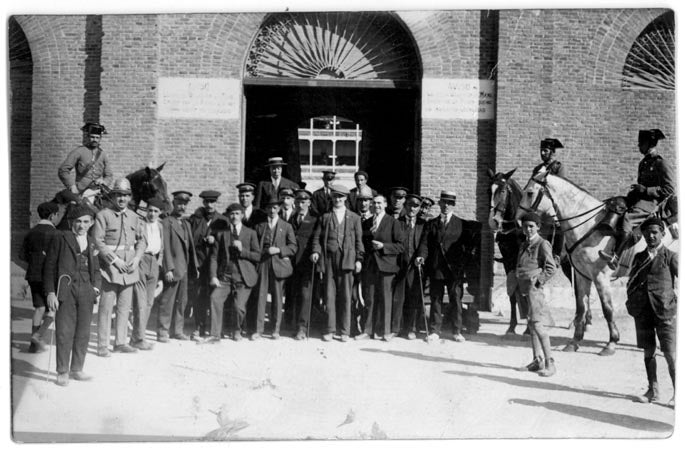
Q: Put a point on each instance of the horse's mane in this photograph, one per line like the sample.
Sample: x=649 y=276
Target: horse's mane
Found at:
x=572 y=183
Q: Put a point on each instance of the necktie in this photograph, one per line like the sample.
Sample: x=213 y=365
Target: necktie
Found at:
x=376 y=220
x=300 y=218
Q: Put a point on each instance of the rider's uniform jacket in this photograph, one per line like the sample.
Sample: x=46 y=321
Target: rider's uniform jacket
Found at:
x=88 y=165
x=657 y=176
x=554 y=167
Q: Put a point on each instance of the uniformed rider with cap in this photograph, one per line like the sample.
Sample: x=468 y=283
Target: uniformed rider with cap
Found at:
x=656 y=183
x=549 y=164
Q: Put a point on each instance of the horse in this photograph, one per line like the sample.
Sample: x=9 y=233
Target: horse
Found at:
x=581 y=218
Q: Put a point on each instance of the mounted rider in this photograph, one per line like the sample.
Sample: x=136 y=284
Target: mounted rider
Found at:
x=656 y=183
x=87 y=166
x=549 y=164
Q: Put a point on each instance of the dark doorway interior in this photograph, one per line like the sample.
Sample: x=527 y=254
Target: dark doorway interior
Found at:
x=387 y=118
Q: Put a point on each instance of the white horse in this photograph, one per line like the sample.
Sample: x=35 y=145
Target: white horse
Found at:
x=579 y=215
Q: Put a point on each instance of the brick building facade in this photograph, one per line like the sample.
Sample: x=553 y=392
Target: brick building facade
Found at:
x=546 y=73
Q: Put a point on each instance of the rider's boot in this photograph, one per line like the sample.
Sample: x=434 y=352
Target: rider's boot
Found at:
x=622 y=241
x=652 y=394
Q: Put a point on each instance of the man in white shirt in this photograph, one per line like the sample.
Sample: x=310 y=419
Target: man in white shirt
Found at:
x=144 y=292
x=269 y=188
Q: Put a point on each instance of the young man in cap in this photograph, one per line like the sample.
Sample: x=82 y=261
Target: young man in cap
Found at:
x=287 y=198
x=252 y=215
x=548 y=149
x=179 y=265
x=363 y=200
x=398 y=195
x=656 y=183
x=382 y=237
x=322 y=201
x=232 y=272
x=277 y=244
x=87 y=166
x=425 y=210
x=407 y=294
x=204 y=223
x=34 y=249
x=652 y=302
x=299 y=288
x=441 y=252
x=144 y=292
x=71 y=279
x=121 y=241
x=360 y=180
x=535 y=266
x=338 y=249
x=269 y=189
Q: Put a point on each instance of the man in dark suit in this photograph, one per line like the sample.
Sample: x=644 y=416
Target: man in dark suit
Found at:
x=71 y=278
x=407 y=295
x=382 y=237
x=300 y=286
x=398 y=195
x=287 y=198
x=232 y=272
x=338 y=249
x=277 y=245
x=322 y=202
x=179 y=263
x=441 y=251
x=252 y=215
x=427 y=204
x=267 y=190
x=652 y=302
x=34 y=248
x=360 y=180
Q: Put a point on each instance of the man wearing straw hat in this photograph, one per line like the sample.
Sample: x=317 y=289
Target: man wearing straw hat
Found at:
x=269 y=189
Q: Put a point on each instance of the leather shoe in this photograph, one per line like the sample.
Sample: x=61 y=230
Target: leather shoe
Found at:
x=213 y=340
x=411 y=335
x=301 y=335
x=362 y=337
x=180 y=337
x=237 y=336
x=124 y=349
x=328 y=337
x=255 y=336
x=458 y=337
x=62 y=379
x=432 y=337
x=388 y=337
x=142 y=345
x=104 y=353
x=534 y=366
x=275 y=336
x=80 y=376
x=344 y=338
x=163 y=338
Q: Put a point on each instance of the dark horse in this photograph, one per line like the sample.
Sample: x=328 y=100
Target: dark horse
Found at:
x=146 y=183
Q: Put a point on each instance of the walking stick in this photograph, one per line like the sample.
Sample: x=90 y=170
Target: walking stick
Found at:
x=51 y=328
x=311 y=298
x=423 y=305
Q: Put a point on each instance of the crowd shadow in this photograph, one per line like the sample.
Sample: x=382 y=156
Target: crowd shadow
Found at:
x=438 y=359
x=596 y=415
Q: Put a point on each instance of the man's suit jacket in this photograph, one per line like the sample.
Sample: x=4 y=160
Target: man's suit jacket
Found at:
x=353 y=247
x=441 y=247
x=257 y=216
x=34 y=249
x=266 y=190
x=221 y=253
x=200 y=229
x=411 y=247
x=62 y=259
x=304 y=234
x=178 y=256
x=285 y=240
x=651 y=284
x=389 y=232
x=321 y=202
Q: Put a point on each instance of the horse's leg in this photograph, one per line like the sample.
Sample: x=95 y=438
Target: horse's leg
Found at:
x=604 y=291
x=512 y=317
x=582 y=296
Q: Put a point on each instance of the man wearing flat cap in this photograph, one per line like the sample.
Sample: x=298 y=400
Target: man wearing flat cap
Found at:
x=322 y=202
x=204 y=223
x=269 y=189
x=548 y=150
x=277 y=245
x=144 y=292
x=360 y=180
x=87 y=166
x=251 y=215
x=398 y=196
x=71 y=279
x=338 y=249
x=179 y=266
x=425 y=210
x=120 y=238
x=652 y=302
x=232 y=273
x=441 y=251
x=656 y=183
x=287 y=199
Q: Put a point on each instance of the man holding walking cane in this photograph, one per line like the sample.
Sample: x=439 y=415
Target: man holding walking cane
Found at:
x=71 y=277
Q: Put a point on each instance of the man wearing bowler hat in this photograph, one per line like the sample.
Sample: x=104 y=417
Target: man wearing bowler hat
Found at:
x=277 y=244
x=338 y=249
x=87 y=166
x=656 y=183
x=441 y=253
x=398 y=196
x=204 y=223
x=321 y=198
x=267 y=190
x=179 y=265
x=251 y=215
x=120 y=238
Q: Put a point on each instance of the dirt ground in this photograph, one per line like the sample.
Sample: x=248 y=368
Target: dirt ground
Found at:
x=295 y=390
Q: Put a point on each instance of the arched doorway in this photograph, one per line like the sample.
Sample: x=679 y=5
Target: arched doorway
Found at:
x=362 y=67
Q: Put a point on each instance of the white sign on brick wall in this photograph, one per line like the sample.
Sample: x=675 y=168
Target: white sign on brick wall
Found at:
x=198 y=98
x=469 y=99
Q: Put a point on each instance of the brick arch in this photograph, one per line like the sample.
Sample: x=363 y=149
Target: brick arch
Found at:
x=613 y=40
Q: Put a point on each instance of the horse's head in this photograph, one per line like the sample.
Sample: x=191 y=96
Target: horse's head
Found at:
x=536 y=198
x=147 y=183
x=504 y=197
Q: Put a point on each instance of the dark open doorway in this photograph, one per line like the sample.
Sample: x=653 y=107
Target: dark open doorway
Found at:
x=387 y=118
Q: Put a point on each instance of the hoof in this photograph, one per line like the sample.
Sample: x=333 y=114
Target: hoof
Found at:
x=571 y=347
x=607 y=351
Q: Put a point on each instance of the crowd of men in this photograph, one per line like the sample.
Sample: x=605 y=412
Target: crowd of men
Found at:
x=369 y=259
